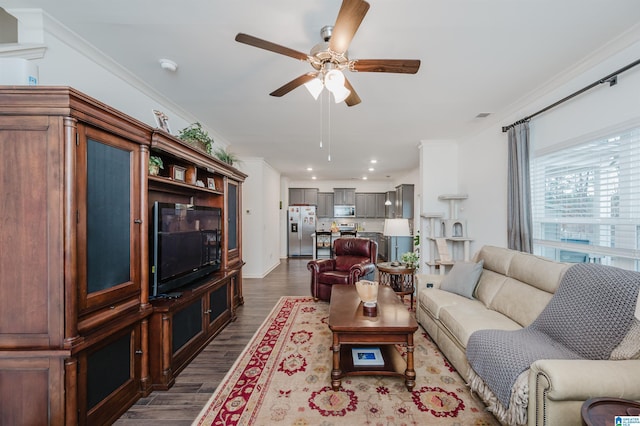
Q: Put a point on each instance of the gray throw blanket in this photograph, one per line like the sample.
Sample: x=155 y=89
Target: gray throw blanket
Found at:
x=586 y=318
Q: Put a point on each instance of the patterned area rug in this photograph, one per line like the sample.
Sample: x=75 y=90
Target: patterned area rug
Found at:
x=283 y=377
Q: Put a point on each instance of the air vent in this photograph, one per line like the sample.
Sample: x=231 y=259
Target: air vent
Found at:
x=483 y=115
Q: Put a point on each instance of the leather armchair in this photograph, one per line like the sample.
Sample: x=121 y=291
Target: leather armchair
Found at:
x=354 y=259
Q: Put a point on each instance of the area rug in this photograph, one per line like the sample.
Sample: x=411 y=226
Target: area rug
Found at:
x=283 y=377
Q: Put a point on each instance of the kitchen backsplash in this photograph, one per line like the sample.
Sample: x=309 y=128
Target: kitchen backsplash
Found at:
x=363 y=225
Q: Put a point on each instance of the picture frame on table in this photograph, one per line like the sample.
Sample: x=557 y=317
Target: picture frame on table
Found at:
x=162 y=120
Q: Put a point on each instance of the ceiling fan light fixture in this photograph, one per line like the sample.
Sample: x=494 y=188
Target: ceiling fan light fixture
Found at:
x=314 y=87
x=334 y=80
x=340 y=94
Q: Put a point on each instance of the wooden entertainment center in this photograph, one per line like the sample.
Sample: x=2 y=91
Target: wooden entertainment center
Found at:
x=80 y=338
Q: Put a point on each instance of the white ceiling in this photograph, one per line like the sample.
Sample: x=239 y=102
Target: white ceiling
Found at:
x=477 y=56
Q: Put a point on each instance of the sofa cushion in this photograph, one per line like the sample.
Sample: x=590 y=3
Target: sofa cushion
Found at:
x=519 y=301
x=496 y=259
x=538 y=272
x=432 y=300
x=462 y=319
x=463 y=278
x=489 y=285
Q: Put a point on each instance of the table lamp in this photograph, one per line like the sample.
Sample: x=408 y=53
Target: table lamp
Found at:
x=396 y=228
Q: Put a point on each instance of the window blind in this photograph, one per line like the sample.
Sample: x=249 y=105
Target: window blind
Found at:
x=586 y=201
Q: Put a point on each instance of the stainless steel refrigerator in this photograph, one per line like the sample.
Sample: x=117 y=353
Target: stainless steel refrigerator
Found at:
x=301 y=225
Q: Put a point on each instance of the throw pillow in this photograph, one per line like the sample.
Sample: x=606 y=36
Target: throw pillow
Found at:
x=463 y=278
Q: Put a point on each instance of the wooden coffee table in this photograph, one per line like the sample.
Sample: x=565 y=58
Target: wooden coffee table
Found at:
x=394 y=324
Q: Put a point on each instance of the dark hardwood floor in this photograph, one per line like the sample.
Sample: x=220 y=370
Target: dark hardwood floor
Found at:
x=194 y=385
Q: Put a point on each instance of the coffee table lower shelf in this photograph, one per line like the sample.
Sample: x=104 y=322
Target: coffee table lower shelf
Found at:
x=394 y=365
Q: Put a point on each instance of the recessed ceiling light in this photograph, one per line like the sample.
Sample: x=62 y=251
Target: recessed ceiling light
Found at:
x=309 y=169
x=313 y=178
x=374 y=161
x=168 y=64
x=371 y=169
x=364 y=178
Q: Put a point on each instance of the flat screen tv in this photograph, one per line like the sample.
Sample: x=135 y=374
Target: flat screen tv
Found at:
x=185 y=245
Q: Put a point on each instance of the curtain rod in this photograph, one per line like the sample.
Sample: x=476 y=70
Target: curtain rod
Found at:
x=612 y=79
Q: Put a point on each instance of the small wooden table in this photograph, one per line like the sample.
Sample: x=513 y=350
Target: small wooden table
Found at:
x=394 y=324
x=399 y=278
x=603 y=411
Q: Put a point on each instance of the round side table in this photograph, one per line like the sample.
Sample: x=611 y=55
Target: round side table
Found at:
x=399 y=278
x=603 y=411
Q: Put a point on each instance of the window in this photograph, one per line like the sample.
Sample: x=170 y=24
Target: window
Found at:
x=586 y=201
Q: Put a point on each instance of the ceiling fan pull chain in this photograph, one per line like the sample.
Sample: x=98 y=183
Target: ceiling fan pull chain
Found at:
x=321 y=117
x=329 y=129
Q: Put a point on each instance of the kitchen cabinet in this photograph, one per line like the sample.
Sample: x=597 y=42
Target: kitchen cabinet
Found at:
x=325 y=204
x=303 y=196
x=370 y=205
x=404 y=201
x=379 y=206
x=344 y=196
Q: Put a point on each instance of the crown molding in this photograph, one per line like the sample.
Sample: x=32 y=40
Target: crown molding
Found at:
x=25 y=51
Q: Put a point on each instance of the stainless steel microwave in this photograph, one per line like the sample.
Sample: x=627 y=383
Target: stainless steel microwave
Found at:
x=344 y=211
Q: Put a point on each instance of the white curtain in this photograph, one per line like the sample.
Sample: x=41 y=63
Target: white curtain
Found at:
x=519 y=223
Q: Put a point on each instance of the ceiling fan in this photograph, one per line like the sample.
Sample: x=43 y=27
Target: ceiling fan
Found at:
x=329 y=58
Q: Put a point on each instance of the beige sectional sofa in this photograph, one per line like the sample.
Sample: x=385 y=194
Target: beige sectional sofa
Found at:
x=512 y=290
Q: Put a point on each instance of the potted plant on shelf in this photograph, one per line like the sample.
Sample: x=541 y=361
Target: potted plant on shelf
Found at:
x=155 y=164
x=226 y=156
x=195 y=135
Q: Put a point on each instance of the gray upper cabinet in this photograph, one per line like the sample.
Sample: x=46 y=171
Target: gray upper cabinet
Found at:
x=379 y=205
x=344 y=196
x=325 y=204
x=404 y=201
x=370 y=205
x=303 y=196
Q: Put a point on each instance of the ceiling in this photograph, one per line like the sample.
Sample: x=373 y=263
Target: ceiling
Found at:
x=478 y=56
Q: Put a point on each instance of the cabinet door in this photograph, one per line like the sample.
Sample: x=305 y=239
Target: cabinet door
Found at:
x=311 y=196
x=380 y=198
x=325 y=204
x=344 y=196
x=109 y=377
x=350 y=196
x=361 y=205
x=296 y=196
x=108 y=218
x=371 y=205
x=234 y=231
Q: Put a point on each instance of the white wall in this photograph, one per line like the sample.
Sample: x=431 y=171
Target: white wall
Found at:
x=261 y=227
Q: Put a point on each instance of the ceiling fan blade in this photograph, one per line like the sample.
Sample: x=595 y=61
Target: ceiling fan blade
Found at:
x=353 y=98
x=267 y=45
x=350 y=16
x=406 y=66
x=281 y=91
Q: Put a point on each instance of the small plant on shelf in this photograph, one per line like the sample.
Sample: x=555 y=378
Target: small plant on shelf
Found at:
x=226 y=156
x=195 y=135
x=155 y=164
